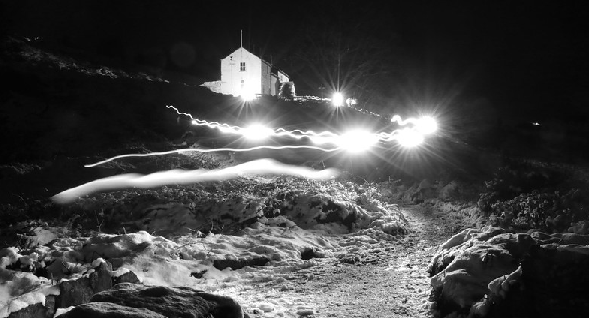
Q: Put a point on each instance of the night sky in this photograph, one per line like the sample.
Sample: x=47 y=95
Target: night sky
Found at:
x=521 y=56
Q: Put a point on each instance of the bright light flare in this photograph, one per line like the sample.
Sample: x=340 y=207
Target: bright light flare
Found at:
x=338 y=99
x=357 y=141
x=257 y=132
x=409 y=138
x=247 y=94
x=426 y=125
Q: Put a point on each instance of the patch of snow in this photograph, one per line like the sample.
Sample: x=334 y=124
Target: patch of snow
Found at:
x=43 y=235
x=19 y=290
x=61 y=311
x=8 y=256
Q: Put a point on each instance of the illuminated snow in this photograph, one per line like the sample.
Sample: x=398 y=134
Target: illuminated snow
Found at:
x=180 y=257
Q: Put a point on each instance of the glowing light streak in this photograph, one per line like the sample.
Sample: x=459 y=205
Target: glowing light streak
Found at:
x=353 y=141
x=180 y=151
x=425 y=125
x=317 y=137
x=222 y=127
x=131 y=180
x=257 y=132
x=402 y=122
x=357 y=141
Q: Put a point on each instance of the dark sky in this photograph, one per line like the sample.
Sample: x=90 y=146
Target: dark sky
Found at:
x=530 y=55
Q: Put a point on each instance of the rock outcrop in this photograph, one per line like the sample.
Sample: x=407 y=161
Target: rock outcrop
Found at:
x=492 y=273
x=79 y=291
x=132 y=300
x=108 y=310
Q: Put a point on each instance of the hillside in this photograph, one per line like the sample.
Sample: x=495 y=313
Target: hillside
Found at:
x=454 y=228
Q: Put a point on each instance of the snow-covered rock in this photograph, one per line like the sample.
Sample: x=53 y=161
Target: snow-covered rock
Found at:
x=111 y=246
x=106 y=309
x=21 y=290
x=492 y=273
x=165 y=301
x=8 y=256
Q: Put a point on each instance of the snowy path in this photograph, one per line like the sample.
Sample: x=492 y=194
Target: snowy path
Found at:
x=389 y=281
x=362 y=274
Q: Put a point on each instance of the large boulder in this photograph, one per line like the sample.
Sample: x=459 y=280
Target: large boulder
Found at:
x=79 y=291
x=557 y=280
x=38 y=310
x=171 y=301
x=109 y=310
x=491 y=273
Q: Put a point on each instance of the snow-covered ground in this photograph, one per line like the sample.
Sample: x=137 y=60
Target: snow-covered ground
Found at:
x=309 y=228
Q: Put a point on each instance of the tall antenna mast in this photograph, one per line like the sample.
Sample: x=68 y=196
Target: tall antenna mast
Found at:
x=241 y=44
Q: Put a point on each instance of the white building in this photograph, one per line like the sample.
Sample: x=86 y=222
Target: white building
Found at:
x=244 y=74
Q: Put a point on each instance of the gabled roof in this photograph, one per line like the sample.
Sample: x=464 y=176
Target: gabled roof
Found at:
x=274 y=69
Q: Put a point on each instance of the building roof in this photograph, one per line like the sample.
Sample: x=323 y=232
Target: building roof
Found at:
x=273 y=68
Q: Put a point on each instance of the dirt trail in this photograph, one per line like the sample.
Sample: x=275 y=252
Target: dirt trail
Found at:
x=390 y=280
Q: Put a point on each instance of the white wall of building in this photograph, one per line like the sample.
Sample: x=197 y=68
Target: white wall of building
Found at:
x=234 y=81
x=266 y=78
x=257 y=79
x=282 y=77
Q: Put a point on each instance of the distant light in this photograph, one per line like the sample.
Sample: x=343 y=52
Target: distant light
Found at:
x=536 y=123
x=338 y=99
x=426 y=125
x=357 y=141
x=351 y=101
x=257 y=132
x=410 y=138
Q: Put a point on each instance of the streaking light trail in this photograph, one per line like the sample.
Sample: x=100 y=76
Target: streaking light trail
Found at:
x=256 y=131
x=357 y=141
x=408 y=137
x=353 y=141
x=162 y=153
x=133 y=180
x=425 y=124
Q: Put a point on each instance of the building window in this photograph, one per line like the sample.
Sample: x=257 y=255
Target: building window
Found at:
x=242 y=66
